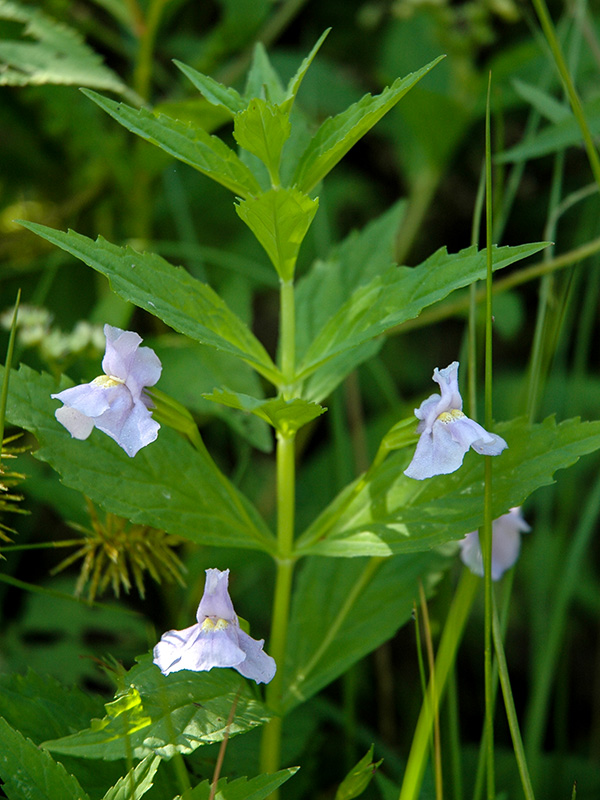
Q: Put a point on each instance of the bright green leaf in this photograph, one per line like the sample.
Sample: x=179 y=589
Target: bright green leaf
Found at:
x=286 y=416
x=31 y=774
x=164 y=715
x=168 y=485
x=359 y=777
x=140 y=777
x=338 y=134
x=215 y=92
x=192 y=145
x=280 y=219
x=262 y=129
x=256 y=788
x=170 y=293
x=59 y=56
x=385 y=512
x=263 y=81
x=296 y=79
x=401 y=293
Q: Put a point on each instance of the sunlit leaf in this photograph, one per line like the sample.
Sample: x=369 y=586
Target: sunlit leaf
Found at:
x=296 y=79
x=256 y=788
x=139 y=777
x=286 y=416
x=262 y=129
x=215 y=92
x=164 y=715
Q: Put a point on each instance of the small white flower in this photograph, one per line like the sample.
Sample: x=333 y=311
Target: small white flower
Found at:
x=115 y=402
x=446 y=432
x=506 y=544
x=216 y=640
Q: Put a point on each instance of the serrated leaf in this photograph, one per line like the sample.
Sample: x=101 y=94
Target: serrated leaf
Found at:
x=340 y=615
x=256 y=788
x=192 y=145
x=280 y=219
x=140 y=777
x=31 y=774
x=39 y=706
x=216 y=93
x=401 y=293
x=262 y=129
x=170 y=293
x=386 y=512
x=163 y=715
x=59 y=56
x=168 y=485
x=338 y=134
x=554 y=138
x=296 y=79
x=286 y=416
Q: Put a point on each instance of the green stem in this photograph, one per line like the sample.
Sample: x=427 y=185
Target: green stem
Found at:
x=451 y=637
x=143 y=68
x=561 y=65
x=287 y=304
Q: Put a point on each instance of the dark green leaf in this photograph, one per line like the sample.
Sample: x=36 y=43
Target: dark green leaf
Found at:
x=168 y=485
x=31 y=774
x=241 y=789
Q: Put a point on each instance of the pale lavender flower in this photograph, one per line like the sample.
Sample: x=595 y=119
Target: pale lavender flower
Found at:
x=446 y=432
x=115 y=402
x=216 y=640
x=506 y=544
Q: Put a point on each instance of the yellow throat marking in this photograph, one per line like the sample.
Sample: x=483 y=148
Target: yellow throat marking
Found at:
x=450 y=416
x=214 y=625
x=107 y=381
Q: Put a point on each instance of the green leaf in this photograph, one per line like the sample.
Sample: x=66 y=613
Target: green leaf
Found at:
x=168 y=485
x=338 y=134
x=263 y=81
x=216 y=93
x=39 y=706
x=545 y=104
x=280 y=219
x=31 y=774
x=385 y=512
x=401 y=293
x=341 y=615
x=162 y=715
x=256 y=788
x=262 y=129
x=554 y=138
x=59 y=55
x=170 y=293
x=357 y=780
x=286 y=416
x=192 y=145
x=296 y=79
x=140 y=777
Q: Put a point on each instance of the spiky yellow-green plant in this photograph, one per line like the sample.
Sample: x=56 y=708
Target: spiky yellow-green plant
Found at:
x=114 y=551
x=9 y=479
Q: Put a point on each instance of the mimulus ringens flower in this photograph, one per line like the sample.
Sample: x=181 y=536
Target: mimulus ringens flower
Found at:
x=506 y=544
x=216 y=640
x=115 y=402
x=446 y=432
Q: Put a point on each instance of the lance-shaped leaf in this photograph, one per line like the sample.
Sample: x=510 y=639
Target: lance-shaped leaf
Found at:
x=192 y=145
x=139 y=777
x=280 y=219
x=262 y=129
x=286 y=416
x=385 y=512
x=338 y=134
x=340 y=615
x=298 y=77
x=170 y=293
x=164 y=715
x=216 y=93
x=29 y=773
x=257 y=788
x=168 y=485
x=401 y=293
x=50 y=52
